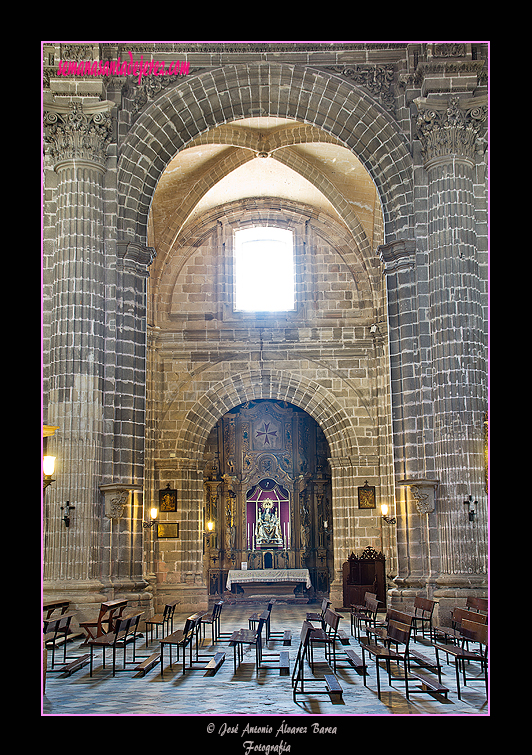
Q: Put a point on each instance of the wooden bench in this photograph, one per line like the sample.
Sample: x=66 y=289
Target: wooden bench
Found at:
x=182 y=639
x=366 y=617
x=428 y=685
x=214 y=664
x=327 y=637
x=422 y=615
x=124 y=632
x=109 y=613
x=165 y=620
x=147 y=664
x=76 y=664
x=454 y=632
x=462 y=656
x=254 y=619
x=55 y=605
x=56 y=632
x=355 y=661
x=319 y=616
x=480 y=605
x=332 y=686
x=284 y=663
x=214 y=620
x=379 y=629
x=242 y=637
x=358 y=610
x=398 y=634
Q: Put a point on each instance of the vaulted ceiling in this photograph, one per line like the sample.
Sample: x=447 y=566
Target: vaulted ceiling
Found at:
x=263 y=157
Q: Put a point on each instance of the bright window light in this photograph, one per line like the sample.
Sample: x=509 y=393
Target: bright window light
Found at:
x=264 y=270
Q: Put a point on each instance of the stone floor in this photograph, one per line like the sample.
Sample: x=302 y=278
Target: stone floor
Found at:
x=250 y=697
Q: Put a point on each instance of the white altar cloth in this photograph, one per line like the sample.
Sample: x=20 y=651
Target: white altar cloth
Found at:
x=237 y=576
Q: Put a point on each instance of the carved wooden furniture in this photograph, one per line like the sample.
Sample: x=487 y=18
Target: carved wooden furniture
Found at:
x=109 y=613
x=364 y=574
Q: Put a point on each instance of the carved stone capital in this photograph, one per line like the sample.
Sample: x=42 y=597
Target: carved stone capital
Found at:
x=450 y=128
x=134 y=257
x=78 y=133
x=397 y=255
x=422 y=491
x=116 y=498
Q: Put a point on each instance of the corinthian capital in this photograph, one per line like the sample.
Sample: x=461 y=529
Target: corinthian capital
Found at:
x=73 y=132
x=450 y=128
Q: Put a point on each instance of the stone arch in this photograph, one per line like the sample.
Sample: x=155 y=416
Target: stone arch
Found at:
x=164 y=276
x=192 y=107
x=235 y=390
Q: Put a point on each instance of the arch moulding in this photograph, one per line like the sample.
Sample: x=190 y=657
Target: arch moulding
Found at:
x=196 y=105
x=278 y=385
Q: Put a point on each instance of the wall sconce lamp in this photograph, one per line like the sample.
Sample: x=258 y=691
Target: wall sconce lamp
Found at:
x=153 y=515
x=48 y=466
x=472 y=508
x=209 y=530
x=66 y=509
x=384 y=513
x=326 y=525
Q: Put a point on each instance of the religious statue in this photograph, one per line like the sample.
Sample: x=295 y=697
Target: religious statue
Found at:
x=268 y=527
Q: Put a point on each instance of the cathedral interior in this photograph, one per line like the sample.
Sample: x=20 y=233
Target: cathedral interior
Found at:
x=265 y=325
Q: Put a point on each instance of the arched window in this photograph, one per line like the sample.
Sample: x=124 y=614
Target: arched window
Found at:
x=264 y=270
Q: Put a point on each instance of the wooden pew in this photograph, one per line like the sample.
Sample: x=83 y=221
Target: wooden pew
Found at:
x=55 y=605
x=124 y=632
x=332 y=685
x=398 y=634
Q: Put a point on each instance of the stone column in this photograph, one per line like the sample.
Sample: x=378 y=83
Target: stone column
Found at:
x=448 y=130
x=77 y=141
x=96 y=371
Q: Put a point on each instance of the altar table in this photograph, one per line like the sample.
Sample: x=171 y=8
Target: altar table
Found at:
x=268 y=582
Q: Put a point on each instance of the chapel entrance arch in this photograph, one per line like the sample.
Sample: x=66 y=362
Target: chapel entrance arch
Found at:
x=268 y=495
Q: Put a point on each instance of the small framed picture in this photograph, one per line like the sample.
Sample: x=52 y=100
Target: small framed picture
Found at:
x=168 y=529
x=167 y=499
x=366 y=497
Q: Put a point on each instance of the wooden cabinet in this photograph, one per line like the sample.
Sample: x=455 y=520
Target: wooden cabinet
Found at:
x=364 y=574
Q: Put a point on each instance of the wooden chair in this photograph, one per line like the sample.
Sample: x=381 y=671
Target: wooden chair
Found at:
x=379 y=630
x=242 y=637
x=366 y=618
x=480 y=605
x=325 y=603
x=164 y=620
x=124 y=632
x=422 y=615
x=254 y=619
x=328 y=637
x=181 y=639
x=213 y=620
x=398 y=635
x=56 y=631
x=358 y=611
